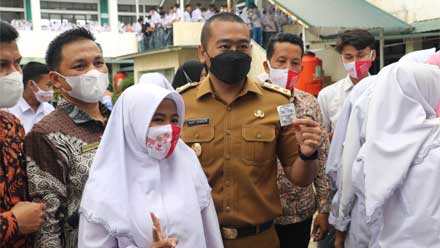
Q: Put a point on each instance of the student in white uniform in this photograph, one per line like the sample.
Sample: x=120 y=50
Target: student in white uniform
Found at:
x=34 y=104
x=142 y=167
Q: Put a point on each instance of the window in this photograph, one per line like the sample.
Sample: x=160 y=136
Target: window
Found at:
x=127 y=19
x=68 y=6
x=12 y=3
x=8 y=16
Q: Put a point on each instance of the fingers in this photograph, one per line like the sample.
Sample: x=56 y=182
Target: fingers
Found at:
x=166 y=243
x=156 y=235
x=311 y=136
x=305 y=122
x=319 y=236
x=314 y=229
x=157 y=231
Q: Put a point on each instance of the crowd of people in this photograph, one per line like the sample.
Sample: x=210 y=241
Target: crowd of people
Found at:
x=156 y=30
x=216 y=158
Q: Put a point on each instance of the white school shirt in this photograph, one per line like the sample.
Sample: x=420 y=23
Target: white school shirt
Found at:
x=331 y=100
x=23 y=111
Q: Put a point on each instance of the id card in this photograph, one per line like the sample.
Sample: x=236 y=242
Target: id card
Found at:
x=287 y=114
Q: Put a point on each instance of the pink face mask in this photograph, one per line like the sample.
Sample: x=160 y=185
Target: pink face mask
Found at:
x=358 y=69
x=161 y=141
x=437 y=109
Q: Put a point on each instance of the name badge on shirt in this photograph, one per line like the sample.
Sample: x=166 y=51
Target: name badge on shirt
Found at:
x=89 y=147
x=287 y=114
x=197 y=122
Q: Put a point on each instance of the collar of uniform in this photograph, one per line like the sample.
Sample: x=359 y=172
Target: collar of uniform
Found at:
x=250 y=86
x=77 y=115
x=206 y=88
x=24 y=106
x=347 y=84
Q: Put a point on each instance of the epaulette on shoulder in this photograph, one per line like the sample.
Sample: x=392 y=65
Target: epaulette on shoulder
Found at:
x=276 y=88
x=185 y=87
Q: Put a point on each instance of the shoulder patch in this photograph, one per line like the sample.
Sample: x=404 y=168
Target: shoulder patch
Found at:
x=185 y=87
x=276 y=88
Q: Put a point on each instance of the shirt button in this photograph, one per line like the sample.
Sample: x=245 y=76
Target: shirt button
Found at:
x=228 y=208
x=227 y=156
x=228 y=108
x=258 y=135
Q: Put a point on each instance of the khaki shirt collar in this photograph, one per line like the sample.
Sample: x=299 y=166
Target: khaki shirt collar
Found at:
x=206 y=88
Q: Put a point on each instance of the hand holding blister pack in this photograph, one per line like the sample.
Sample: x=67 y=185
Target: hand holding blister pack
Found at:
x=287 y=114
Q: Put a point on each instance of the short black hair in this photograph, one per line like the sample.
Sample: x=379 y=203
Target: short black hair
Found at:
x=283 y=37
x=140 y=19
x=358 y=38
x=34 y=71
x=54 y=51
x=221 y=17
x=7 y=32
x=199 y=5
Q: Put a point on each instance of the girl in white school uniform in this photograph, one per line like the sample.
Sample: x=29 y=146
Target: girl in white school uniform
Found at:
x=142 y=167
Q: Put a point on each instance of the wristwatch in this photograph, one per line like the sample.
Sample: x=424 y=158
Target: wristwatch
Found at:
x=314 y=156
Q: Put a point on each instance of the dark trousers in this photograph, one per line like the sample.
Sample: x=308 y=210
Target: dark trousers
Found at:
x=294 y=235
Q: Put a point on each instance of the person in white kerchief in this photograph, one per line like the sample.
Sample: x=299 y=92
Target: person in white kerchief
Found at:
x=401 y=158
x=142 y=167
x=348 y=206
x=157 y=79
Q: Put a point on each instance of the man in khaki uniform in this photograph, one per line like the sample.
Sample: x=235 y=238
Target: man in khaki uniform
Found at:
x=233 y=125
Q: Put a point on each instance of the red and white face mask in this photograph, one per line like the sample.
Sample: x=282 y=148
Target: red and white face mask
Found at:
x=283 y=77
x=358 y=69
x=161 y=141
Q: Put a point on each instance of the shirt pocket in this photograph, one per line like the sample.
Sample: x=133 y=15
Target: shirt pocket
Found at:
x=258 y=145
x=200 y=138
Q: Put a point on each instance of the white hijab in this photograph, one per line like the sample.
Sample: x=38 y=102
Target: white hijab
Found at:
x=400 y=119
x=419 y=56
x=156 y=79
x=125 y=185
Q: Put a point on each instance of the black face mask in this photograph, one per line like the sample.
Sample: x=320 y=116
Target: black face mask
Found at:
x=231 y=67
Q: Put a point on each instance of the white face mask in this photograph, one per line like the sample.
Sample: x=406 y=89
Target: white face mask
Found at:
x=284 y=78
x=88 y=87
x=11 y=89
x=43 y=95
x=161 y=141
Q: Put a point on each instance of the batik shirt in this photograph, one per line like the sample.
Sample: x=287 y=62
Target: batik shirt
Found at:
x=13 y=182
x=300 y=203
x=59 y=151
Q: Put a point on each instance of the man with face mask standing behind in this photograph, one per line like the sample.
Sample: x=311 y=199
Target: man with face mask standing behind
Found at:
x=34 y=104
x=60 y=148
x=18 y=217
x=357 y=53
x=233 y=126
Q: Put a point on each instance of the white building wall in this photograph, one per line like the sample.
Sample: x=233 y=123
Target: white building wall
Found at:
x=410 y=10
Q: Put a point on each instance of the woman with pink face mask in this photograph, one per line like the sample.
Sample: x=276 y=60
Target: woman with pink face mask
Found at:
x=143 y=169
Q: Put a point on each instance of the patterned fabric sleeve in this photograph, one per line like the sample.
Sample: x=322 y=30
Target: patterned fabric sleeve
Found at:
x=13 y=182
x=46 y=173
x=8 y=227
x=322 y=181
x=322 y=184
